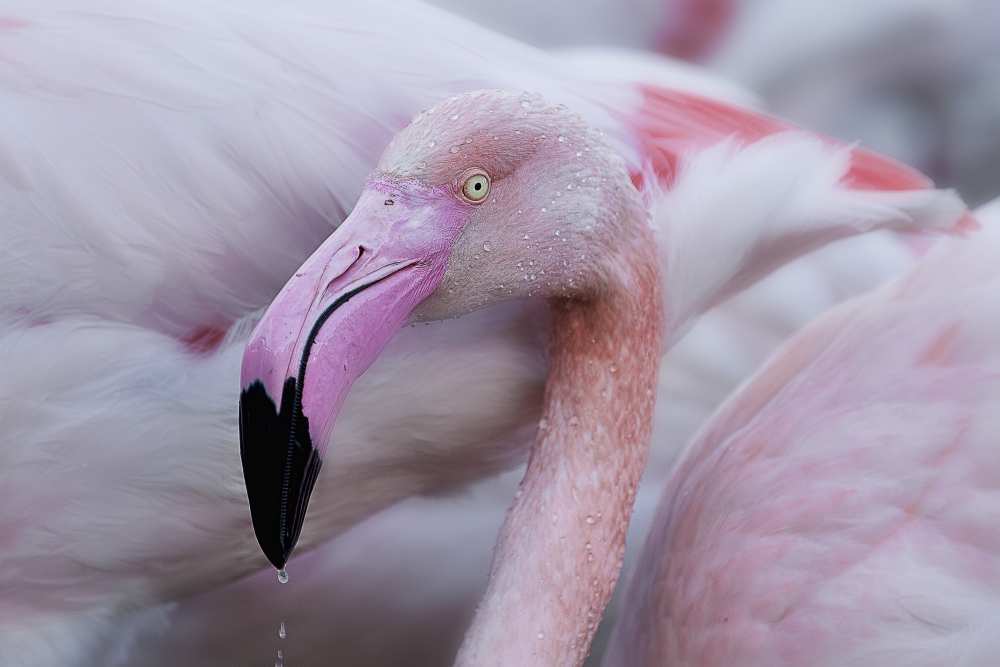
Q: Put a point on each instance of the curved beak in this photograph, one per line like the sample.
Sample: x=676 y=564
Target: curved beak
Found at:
x=322 y=331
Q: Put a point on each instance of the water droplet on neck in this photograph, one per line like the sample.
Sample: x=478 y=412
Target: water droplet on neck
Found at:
x=431 y=144
x=590 y=520
x=561 y=138
x=453 y=149
x=282 y=632
x=487 y=247
x=282 y=576
x=454 y=117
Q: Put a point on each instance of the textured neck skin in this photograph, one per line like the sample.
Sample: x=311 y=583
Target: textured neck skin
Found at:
x=560 y=550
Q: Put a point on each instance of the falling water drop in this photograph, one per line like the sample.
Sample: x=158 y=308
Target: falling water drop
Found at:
x=282 y=576
x=279 y=660
x=282 y=632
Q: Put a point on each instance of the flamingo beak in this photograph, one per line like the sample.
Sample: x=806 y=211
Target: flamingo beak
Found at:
x=323 y=330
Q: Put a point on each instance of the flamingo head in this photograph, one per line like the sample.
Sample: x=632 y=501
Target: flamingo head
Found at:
x=486 y=197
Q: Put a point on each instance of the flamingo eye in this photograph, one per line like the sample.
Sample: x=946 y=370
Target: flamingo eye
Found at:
x=475 y=187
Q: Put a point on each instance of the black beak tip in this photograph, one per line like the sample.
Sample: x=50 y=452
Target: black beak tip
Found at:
x=279 y=470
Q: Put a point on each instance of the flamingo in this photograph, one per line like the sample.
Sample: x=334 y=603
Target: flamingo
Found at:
x=531 y=186
x=165 y=168
x=841 y=508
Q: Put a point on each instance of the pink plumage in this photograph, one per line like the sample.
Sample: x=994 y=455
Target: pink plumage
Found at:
x=167 y=166
x=839 y=509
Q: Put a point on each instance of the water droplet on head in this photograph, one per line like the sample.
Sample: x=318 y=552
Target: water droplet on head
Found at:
x=431 y=144
x=541 y=635
x=544 y=209
x=454 y=117
x=561 y=138
x=468 y=140
x=570 y=186
x=487 y=247
x=282 y=576
x=590 y=520
x=579 y=154
x=453 y=149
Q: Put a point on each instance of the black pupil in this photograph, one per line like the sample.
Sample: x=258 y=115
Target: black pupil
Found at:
x=478 y=186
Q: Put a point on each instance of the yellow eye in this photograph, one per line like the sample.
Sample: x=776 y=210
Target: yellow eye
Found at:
x=476 y=187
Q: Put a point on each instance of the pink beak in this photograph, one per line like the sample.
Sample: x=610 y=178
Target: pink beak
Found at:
x=323 y=330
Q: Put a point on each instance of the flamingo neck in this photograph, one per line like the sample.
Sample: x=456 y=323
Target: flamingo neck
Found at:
x=560 y=550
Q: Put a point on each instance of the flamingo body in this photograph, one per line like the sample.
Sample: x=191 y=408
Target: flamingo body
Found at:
x=839 y=509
